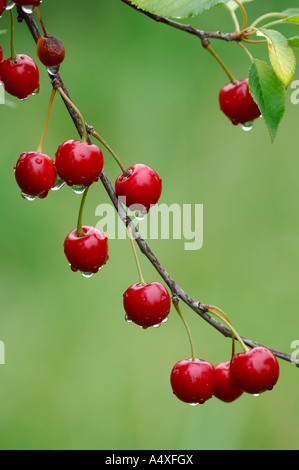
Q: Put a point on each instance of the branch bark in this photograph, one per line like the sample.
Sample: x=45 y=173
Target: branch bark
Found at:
x=176 y=290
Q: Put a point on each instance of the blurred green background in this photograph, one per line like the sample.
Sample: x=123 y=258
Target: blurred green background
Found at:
x=77 y=376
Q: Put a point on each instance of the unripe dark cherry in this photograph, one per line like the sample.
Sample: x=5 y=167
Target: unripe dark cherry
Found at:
x=226 y=389
x=50 y=51
x=237 y=103
x=87 y=253
x=20 y=77
x=193 y=381
x=35 y=174
x=147 y=304
x=255 y=371
x=140 y=189
x=79 y=163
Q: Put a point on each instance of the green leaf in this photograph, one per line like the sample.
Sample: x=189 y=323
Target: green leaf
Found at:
x=281 y=55
x=175 y=8
x=294 y=42
x=268 y=92
x=291 y=16
x=291 y=12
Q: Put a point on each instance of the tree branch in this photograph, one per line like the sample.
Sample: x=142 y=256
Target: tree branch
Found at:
x=204 y=36
x=176 y=290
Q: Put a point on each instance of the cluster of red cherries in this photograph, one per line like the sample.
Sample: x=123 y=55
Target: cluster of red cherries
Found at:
x=79 y=164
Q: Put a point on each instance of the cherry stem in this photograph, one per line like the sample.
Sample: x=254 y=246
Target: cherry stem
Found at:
x=220 y=314
x=69 y=101
x=266 y=16
x=80 y=231
x=235 y=20
x=135 y=254
x=216 y=56
x=13 y=53
x=118 y=161
x=40 y=147
x=244 y=13
x=41 y=22
x=246 y=50
x=175 y=302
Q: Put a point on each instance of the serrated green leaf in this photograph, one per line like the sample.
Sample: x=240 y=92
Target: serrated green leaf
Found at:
x=294 y=42
x=176 y=8
x=268 y=92
x=281 y=55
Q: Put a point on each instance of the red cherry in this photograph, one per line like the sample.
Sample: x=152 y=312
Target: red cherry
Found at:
x=237 y=103
x=226 y=389
x=50 y=51
x=141 y=187
x=2 y=6
x=147 y=305
x=79 y=163
x=87 y=253
x=255 y=371
x=35 y=3
x=193 y=381
x=35 y=174
x=20 y=77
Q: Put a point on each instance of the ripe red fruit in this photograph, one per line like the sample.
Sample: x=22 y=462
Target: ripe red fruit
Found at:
x=2 y=6
x=87 y=253
x=35 y=3
x=141 y=187
x=35 y=174
x=20 y=77
x=193 y=381
x=147 y=305
x=237 y=103
x=50 y=50
x=255 y=371
x=226 y=389
x=79 y=163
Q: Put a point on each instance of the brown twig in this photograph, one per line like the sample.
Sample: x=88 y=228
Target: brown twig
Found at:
x=176 y=290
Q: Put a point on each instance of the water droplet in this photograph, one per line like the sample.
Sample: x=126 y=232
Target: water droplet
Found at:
x=157 y=325
x=10 y=5
x=59 y=184
x=256 y=394
x=28 y=197
x=28 y=9
x=247 y=127
x=78 y=189
x=87 y=275
x=127 y=319
x=36 y=91
x=165 y=320
x=139 y=215
x=193 y=404
x=53 y=71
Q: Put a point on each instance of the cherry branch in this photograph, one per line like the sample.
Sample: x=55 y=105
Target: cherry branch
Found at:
x=204 y=36
x=177 y=292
